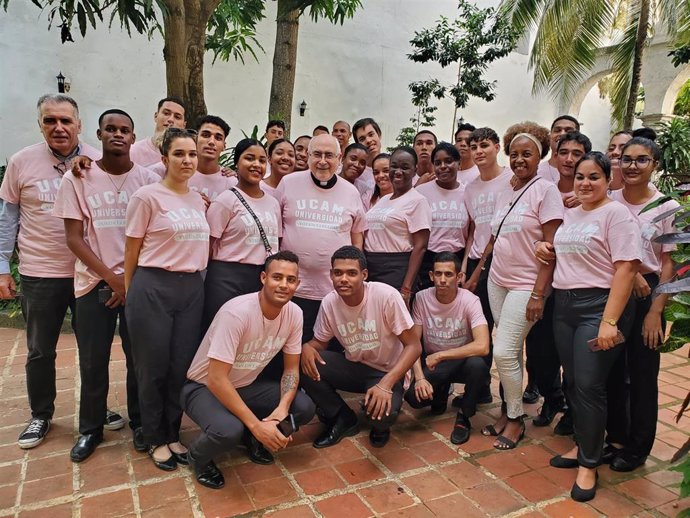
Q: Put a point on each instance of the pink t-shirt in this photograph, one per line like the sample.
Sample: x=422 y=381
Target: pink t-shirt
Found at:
x=365 y=182
x=548 y=172
x=173 y=226
x=449 y=218
x=316 y=222
x=514 y=265
x=589 y=242
x=211 y=184
x=96 y=201
x=240 y=240
x=480 y=201
x=32 y=181
x=144 y=153
x=158 y=168
x=465 y=176
x=368 y=332
x=272 y=191
x=447 y=326
x=391 y=223
x=241 y=336
x=650 y=251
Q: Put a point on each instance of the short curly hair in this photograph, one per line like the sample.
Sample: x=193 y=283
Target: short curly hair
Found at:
x=541 y=133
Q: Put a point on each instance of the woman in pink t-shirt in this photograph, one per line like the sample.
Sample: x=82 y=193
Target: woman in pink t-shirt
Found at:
x=354 y=162
x=639 y=160
x=382 y=181
x=597 y=252
x=238 y=249
x=398 y=228
x=281 y=157
x=518 y=284
x=165 y=251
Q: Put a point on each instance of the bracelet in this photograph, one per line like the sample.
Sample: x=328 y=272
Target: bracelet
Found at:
x=385 y=390
x=536 y=296
x=418 y=379
x=537 y=241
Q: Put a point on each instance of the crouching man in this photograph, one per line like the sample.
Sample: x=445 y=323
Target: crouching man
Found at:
x=224 y=394
x=371 y=322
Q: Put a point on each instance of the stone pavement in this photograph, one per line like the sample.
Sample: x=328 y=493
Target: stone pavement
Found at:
x=418 y=474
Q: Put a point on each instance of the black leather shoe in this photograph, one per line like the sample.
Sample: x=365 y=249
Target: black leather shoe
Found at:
x=626 y=461
x=438 y=408
x=610 y=452
x=547 y=413
x=138 y=440
x=170 y=464
x=565 y=424
x=344 y=425
x=461 y=430
x=208 y=475
x=379 y=438
x=180 y=458
x=563 y=463
x=531 y=394
x=584 y=495
x=258 y=454
x=85 y=446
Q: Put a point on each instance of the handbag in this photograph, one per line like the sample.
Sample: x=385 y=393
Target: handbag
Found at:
x=262 y=232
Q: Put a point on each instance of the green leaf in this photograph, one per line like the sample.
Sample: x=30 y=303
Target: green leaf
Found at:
x=673 y=343
x=682 y=298
x=655 y=203
x=676 y=311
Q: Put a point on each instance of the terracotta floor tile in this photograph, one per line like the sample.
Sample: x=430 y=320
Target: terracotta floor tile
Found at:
x=162 y=493
x=10 y=474
x=343 y=506
x=493 y=499
x=358 y=471
x=47 y=489
x=49 y=467
x=503 y=465
x=672 y=509
x=96 y=476
x=665 y=478
x=464 y=475
x=396 y=458
x=302 y=459
x=645 y=492
x=674 y=391
x=674 y=438
x=435 y=451
x=443 y=426
x=414 y=511
x=452 y=504
x=56 y=511
x=413 y=434
x=429 y=485
x=341 y=452
x=219 y=503
x=386 y=497
x=532 y=455
x=534 y=486
x=250 y=472
x=273 y=492
x=143 y=467
x=300 y=511
x=114 y=504
x=320 y=480
x=683 y=370
x=179 y=509
x=614 y=505
x=477 y=443
x=670 y=378
x=663 y=451
x=569 y=508
x=563 y=478
x=664 y=399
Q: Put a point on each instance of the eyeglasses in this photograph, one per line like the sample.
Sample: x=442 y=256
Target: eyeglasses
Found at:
x=61 y=168
x=320 y=156
x=640 y=161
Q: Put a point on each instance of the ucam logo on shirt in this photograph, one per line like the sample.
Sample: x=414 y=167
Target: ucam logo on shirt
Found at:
x=573 y=238
x=359 y=335
x=318 y=214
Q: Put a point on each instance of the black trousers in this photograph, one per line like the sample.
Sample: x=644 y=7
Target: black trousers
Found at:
x=220 y=429
x=164 y=311
x=95 y=331
x=577 y=316
x=389 y=268
x=44 y=306
x=341 y=374
x=310 y=309
x=225 y=281
x=473 y=372
x=428 y=266
x=482 y=292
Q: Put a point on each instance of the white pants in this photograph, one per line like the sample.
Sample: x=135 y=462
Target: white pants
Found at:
x=509 y=308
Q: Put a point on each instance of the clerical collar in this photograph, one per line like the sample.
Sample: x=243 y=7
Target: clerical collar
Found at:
x=69 y=156
x=324 y=185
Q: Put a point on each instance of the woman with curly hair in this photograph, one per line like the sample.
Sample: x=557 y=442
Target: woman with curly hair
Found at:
x=518 y=283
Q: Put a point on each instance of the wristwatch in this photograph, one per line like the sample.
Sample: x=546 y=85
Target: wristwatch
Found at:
x=610 y=321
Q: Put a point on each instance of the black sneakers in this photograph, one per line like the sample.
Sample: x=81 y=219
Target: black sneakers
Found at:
x=113 y=421
x=34 y=434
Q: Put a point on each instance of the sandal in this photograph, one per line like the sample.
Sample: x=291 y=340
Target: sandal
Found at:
x=490 y=430
x=507 y=444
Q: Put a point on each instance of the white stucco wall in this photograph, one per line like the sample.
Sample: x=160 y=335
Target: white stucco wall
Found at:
x=343 y=72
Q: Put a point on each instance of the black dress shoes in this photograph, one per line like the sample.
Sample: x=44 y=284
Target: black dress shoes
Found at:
x=258 y=454
x=547 y=413
x=344 y=425
x=461 y=430
x=169 y=464
x=563 y=463
x=85 y=446
x=584 y=495
x=138 y=440
x=610 y=452
x=180 y=458
x=626 y=461
x=379 y=438
x=209 y=475
x=531 y=394
x=565 y=424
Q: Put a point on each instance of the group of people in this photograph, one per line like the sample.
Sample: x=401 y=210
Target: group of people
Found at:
x=249 y=297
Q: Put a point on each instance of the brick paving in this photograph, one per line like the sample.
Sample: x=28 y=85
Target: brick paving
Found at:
x=418 y=474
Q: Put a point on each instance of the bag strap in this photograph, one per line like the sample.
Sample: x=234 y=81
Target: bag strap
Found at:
x=262 y=232
x=512 y=204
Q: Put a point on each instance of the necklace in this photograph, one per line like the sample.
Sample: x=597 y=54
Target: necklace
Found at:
x=117 y=188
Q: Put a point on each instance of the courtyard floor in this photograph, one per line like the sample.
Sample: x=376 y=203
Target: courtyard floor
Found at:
x=418 y=474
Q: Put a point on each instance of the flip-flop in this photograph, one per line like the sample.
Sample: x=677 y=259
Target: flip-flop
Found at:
x=490 y=431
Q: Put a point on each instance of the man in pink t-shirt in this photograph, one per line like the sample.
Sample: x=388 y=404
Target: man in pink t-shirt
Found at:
x=169 y=114
x=548 y=169
x=371 y=322
x=46 y=266
x=93 y=209
x=451 y=324
x=225 y=393
x=468 y=170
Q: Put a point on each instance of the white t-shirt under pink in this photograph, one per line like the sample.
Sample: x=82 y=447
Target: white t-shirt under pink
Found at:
x=449 y=218
x=173 y=227
x=368 y=332
x=391 y=222
x=144 y=153
x=590 y=241
x=31 y=181
x=241 y=336
x=480 y=201
x=239 y=237
x=100 y=201
x=447 y=326
x=651 y=251
x=514 y=265
x=316 y=222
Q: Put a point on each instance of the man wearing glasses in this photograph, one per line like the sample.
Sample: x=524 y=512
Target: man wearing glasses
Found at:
x=46 y=266
x=321 y=213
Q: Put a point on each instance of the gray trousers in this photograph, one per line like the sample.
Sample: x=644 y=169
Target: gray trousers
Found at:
x=220 y=429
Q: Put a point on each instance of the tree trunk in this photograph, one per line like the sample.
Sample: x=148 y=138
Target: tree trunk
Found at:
x=284 y=64
x=640 y=40
x=174 y=49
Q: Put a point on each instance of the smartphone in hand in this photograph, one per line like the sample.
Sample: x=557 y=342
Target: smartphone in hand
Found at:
x=594 y=342
x=288 y=426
